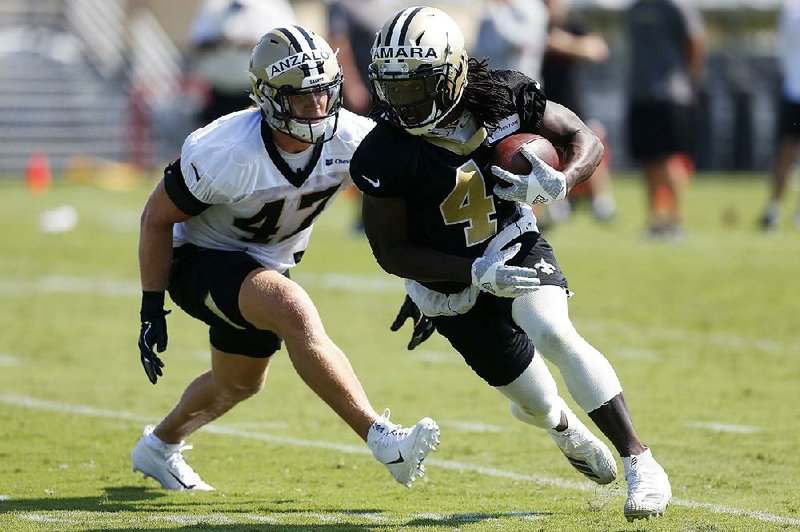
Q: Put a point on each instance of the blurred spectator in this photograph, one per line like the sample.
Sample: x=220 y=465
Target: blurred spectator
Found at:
x=789 y=119
x=513 y=35
x=351 y=29
x=223 y=35
x=667 y=42
x=570 y=44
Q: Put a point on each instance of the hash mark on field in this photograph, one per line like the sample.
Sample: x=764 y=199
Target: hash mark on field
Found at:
x=9 y=361
x=90 y=411
x=473 y=426
x=437 y=357
x=724 y=427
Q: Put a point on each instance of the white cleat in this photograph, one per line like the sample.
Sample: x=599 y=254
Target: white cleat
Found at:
x=403 y=450
x=165 y=463
x=649 y=491
x=585 y=451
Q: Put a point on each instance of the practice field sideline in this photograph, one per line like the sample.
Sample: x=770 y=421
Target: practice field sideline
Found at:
x=702 y=333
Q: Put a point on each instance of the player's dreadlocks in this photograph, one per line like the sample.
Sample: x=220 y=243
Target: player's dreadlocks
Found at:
x=488 y=102
x=483 y=97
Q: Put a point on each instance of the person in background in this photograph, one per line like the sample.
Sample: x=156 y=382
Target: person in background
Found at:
x=512 y=35
x=222 y=35
x=789 y=117
x=571 y=44
x=221 y=231
x=667 y=46
x=351 y=30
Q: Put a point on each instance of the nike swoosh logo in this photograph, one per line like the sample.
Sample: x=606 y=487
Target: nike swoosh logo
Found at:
x=181 y=483
x=399 y=460
x=196 y=175
x=374 y=182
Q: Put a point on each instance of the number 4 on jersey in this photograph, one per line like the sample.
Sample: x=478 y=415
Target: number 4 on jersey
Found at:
x=469 y=202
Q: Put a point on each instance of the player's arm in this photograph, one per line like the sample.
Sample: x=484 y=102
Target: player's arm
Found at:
x=589 y=47
x=583 y=150
x=155 y=239
x=155 y=255
x=385 y=224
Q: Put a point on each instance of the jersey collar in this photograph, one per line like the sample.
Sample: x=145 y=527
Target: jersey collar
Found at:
x=460 y=147
x=295 y=178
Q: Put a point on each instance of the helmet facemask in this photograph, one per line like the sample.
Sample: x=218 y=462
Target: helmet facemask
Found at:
x=287 y=109
x=417 y=100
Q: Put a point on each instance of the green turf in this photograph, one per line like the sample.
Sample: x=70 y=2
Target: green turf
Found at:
x=705 y=331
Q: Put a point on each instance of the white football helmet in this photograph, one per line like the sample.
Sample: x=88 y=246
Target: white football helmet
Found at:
x=294 y=72
x=419 y=67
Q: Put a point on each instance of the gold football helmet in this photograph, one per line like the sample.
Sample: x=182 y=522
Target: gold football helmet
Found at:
x=294 y=72
x=419 y=67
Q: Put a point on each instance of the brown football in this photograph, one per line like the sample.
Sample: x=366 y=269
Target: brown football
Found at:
x=507 y=156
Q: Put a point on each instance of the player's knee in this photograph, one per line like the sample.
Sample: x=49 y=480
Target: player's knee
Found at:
x=553 y=338
x=543 y=417
x=233 y=392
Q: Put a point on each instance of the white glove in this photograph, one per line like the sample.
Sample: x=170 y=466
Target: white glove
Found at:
x=490 y=274
x=432 y=303
x=544 y=184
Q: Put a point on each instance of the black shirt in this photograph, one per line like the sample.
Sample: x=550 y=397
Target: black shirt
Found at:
x=449 y=194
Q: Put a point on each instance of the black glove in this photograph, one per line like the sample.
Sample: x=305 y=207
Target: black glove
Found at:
x=153 y=333
x=423 y=325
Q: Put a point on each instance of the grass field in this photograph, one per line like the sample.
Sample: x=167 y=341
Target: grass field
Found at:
x=703 y=334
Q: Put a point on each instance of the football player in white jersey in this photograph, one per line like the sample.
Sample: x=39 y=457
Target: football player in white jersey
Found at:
x=221 y=230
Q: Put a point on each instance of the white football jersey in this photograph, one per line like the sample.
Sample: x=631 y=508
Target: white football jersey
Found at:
x=255 y=206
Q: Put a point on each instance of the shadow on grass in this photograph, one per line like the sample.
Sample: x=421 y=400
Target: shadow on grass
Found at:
x=114 y=500
x=240 y=516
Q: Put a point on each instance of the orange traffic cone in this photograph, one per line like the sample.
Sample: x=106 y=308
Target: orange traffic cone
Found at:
x=38 y=175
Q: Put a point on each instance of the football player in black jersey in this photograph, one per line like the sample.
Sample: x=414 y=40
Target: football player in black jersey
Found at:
x=473 y=260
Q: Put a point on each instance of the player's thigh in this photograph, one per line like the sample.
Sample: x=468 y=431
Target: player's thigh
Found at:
x=270 y=300
x=206 y=284
x=488 y=339
x=658 y=129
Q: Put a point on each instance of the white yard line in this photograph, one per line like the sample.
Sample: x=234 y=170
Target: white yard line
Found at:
x=718 y=426
x=115 y=287
x=90 y=411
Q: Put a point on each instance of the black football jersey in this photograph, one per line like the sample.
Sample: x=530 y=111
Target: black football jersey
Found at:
x=449 y=195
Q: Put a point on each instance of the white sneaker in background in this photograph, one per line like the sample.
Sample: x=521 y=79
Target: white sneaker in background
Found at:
x=403 y=450
x=585 y=451
x=165 y=463
x=649 y=491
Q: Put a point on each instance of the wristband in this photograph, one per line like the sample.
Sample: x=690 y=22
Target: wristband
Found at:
x=152 y=304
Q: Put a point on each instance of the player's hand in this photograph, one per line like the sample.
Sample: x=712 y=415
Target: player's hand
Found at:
x=153 y=333
x=544 y=184
x=423 y=325
x=491 y=274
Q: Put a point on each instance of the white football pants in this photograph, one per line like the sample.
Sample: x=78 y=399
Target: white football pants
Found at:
x=589 y=377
